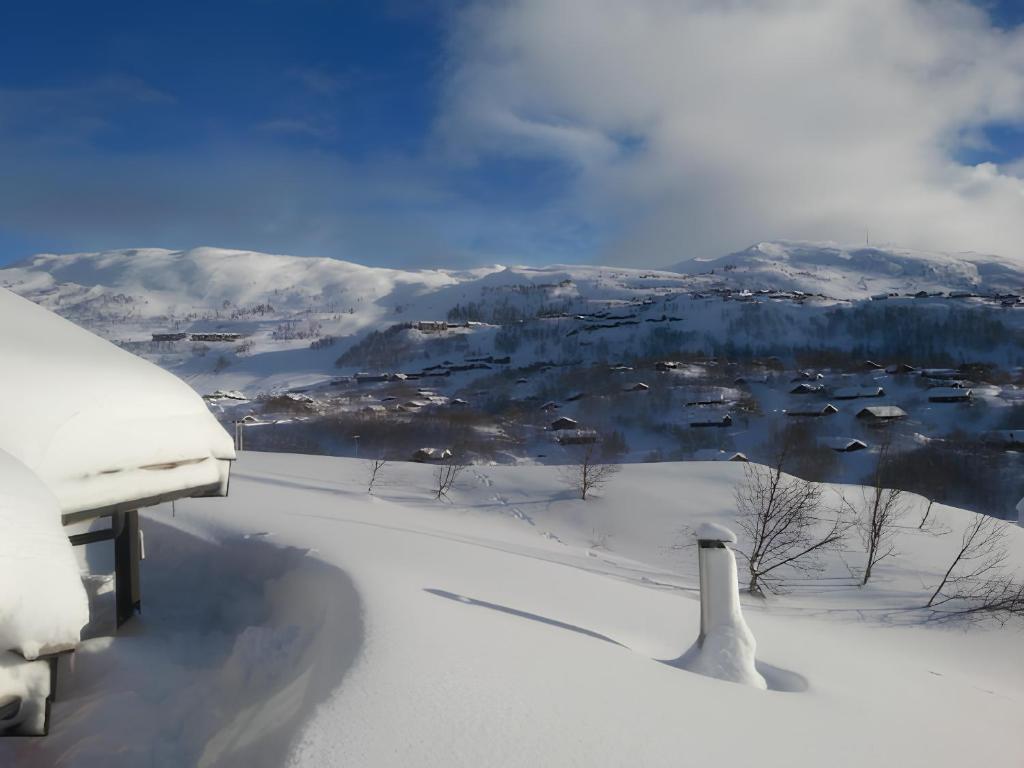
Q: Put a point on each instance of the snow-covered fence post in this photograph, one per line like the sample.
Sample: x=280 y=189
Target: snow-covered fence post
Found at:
x=725 y=646
x=239 y=434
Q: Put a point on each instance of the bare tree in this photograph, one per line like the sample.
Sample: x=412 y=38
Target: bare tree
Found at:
x=780 y=516
x=588 y=473
x=375 y=471
x=927 y=512
x=445 y=476
x=976 y=580
x=882 y=509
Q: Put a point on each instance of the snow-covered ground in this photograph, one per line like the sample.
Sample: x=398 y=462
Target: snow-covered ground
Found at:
x=515 y=625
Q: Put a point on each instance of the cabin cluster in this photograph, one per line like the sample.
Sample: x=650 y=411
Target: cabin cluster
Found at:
x=215 y=337
x=443 y=369
x=1005 y=300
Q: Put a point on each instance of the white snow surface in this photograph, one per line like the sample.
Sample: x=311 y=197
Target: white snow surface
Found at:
x=96 y=423
x=491 y=630
x=859 y=271
x=714 y=532
x=29 y=682
x=43 y=605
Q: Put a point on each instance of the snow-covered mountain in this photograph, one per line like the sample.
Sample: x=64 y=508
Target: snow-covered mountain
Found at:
x=221 y=284
x=859 y=271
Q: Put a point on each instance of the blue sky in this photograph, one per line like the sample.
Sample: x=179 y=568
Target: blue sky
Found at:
x=355 y=130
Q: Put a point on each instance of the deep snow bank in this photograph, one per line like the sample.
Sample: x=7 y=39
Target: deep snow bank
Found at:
x=239 y=640
x=42 y=601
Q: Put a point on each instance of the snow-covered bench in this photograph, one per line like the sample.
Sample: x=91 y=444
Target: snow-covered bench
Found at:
x=89 y=431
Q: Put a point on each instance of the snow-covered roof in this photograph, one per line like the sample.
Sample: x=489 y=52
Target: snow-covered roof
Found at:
x=851 y=393
x=43 y=605
x=883 y=412
x=842 y=444
x=949 y=393
x=715 y=454
x=98 y=425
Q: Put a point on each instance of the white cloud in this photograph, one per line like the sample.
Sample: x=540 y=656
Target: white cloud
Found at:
x=693 y=127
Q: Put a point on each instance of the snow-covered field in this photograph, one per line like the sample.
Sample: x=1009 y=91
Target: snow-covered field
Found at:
x=514 y=625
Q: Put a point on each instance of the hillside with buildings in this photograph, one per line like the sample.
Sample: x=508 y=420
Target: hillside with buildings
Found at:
x=839 y=351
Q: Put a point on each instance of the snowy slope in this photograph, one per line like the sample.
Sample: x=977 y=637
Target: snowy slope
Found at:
x=858 y=271
x=491 y=631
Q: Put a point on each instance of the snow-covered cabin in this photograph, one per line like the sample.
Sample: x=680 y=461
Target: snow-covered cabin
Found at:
x=900 y=368
x=827 y=410
x=714 y=454
x=170 y=336
x=950 y=395
x=563 y=422
x=881 y=414
x=362 y=377
x=577 y=437
x=852 y=393
x=842 y=444
x=806 y=389
x=725 y=421
x=431 y=454
x=431 y=326
x=216 y=337
x=89 y=431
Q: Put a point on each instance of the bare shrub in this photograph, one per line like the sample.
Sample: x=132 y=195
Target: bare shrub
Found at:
x=588 y=473
x=977 y=581
x=375 y=472
x=445 y=476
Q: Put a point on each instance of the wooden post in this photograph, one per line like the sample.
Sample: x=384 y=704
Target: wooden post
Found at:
x=126 y=564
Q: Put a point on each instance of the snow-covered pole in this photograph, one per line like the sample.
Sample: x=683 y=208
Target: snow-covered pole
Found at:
x=725 y=646
x=710 y=537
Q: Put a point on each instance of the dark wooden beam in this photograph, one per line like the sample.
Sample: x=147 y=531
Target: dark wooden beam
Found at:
x=127 y=552
x=213 y=489
x=91 y=537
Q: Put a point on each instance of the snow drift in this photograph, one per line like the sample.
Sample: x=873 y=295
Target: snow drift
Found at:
x=43 y=605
